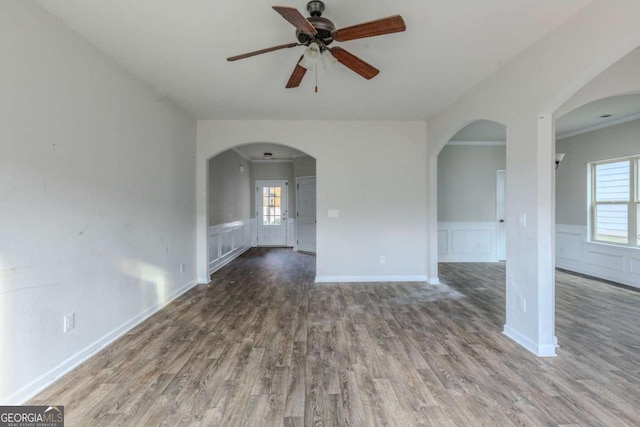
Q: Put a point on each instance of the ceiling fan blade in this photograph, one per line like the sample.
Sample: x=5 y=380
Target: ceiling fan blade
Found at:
x=258 y=52
x=391 y=24
x=354 y=63
x=292 y=15
x=297 y=75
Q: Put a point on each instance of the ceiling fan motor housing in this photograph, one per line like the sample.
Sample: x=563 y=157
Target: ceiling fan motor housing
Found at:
x=323 y=26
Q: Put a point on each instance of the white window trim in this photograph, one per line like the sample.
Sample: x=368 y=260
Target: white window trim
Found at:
x=633 y=204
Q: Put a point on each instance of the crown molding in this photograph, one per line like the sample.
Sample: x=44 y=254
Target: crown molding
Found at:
x=598 y=126
x=478 y=143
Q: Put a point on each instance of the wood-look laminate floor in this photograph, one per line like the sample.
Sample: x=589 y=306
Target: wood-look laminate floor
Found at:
x=265 y=346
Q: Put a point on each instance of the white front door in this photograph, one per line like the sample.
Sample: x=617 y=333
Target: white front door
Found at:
x=306 y=213
x=271 y=212
x=501 y=214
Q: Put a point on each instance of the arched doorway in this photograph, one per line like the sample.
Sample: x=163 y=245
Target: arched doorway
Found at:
x=471 y=194
x=254 y=199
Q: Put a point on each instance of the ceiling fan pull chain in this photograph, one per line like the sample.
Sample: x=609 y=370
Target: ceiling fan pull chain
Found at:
x=316 y=78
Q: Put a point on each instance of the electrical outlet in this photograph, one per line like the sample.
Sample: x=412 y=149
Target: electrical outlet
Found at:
x=69 y=322
x=182 y=268
x=383 y=259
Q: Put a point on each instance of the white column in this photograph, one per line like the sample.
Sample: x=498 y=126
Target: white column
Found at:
x=202 y=254
x=432 y=220
x=546 y=238
x=529 y=275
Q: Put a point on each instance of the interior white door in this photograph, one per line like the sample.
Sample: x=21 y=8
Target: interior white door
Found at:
x=501 y=215
x=271 y=212
x=306 y=213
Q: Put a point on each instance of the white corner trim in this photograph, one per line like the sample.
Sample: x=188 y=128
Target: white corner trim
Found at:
x=360 y=279
x=540 y=350
x=22 y=395
x=598 y=126
x=478 y=143
x=433 y=280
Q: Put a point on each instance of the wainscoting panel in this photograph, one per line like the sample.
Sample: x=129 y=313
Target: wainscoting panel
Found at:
x=569 y=244
x=443 y=241
x=634 y=265
x=605 y=260
x=227 y=241
x=467 y=242
x=575 y=253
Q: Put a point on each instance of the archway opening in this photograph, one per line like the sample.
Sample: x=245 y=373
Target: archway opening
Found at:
x=472 y=206
x=597 y=204
x=259 y=194
x=471 y=185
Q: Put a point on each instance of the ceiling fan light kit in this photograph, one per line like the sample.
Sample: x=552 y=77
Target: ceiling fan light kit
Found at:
x=317 y=33
x=311 y=56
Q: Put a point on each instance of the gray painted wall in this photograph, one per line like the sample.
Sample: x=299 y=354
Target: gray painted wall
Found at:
x=98 y=199
x=467 y=182
x=571 y=176
x=304 y=166
x=229 y=189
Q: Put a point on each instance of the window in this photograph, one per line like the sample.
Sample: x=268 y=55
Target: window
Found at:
x=615 y=201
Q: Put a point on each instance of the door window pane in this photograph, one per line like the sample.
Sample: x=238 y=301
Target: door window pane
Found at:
x=271 y=201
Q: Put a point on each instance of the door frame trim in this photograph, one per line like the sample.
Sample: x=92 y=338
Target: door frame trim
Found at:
x=500 y=172
x=295 y=239
x=267 y=182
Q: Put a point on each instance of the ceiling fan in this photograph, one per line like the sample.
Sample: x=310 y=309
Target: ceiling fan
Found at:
x=317 y=33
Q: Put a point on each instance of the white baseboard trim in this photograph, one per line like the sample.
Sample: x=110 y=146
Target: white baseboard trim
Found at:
x=359 y=279
x=433 y=280
x=540 y=350
x=28 y=391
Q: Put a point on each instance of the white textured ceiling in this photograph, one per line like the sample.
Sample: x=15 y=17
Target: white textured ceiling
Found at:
x=180 y=48
x=588 y=117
